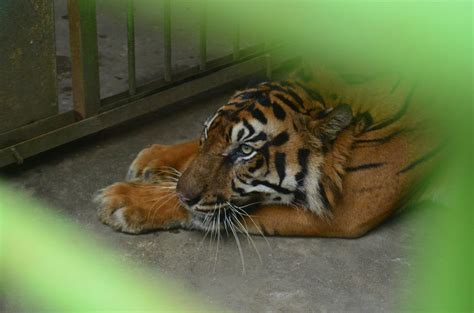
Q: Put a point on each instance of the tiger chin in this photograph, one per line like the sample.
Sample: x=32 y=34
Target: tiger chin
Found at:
x=299 y=157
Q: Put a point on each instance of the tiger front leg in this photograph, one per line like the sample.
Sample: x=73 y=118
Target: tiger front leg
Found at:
x=133 y=207
x=158 y=161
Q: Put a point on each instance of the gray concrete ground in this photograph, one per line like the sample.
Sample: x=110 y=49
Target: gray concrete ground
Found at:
x=294 y=274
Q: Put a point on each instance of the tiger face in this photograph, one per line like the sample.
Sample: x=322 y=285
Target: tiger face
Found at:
x=266 y=145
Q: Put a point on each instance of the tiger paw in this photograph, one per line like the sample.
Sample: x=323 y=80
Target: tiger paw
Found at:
x=146 y=164
x=118 y=210
x=136 y=208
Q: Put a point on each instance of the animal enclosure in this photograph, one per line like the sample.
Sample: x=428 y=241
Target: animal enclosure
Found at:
x=40 y=69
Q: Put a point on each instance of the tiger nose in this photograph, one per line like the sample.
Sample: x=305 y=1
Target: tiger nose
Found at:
x=189 y=202
x=188 y=195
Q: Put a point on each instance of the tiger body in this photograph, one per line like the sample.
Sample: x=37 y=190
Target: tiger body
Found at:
x=301 y=157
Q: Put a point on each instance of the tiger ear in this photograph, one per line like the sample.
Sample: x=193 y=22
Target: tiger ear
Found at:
x=329 y=126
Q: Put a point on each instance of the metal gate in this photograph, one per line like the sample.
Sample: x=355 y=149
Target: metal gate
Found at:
x=30 y=120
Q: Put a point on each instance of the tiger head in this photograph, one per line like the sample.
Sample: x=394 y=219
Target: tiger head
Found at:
x=266 y=145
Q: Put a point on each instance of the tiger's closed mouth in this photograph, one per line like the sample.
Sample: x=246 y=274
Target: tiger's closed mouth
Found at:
x=210 y=208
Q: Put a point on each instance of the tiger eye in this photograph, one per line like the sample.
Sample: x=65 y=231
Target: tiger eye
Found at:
x=246 y=149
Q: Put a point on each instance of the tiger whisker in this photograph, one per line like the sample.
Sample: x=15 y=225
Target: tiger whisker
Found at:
x=168 y=198
x=206 y=227
x=237 y=241
x=255 y=224
x=155 y=203
x=170 y=168
x=218 y=239
x=249 y=238
x=213 y=225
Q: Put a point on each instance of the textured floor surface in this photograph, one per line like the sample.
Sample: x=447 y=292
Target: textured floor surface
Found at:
x=294 y=275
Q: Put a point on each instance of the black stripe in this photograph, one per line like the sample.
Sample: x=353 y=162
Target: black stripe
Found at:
x=288 y=102
x=324 y=197
x=303 y=155
x=278 y=111
x=248 y=95
x=264 y=100
x=300 y=196
x=403 y=110
x=261 y=136
x=258 y=165
x=259 y=115
x=364 y=167
x=238 y=190
x=236 y=104
x=313 y=94
x=366 y=119
x=270 y=185
x=240 y=134
x=291 y=91
x=280 y=165
x=424 y=158
x=250 y=129
x=297 y=98
x=381 y=139
x=280 y=139
x=273 y=86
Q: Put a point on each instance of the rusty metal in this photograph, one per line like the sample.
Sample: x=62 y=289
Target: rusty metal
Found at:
x=178 y=77
x=28 y=89
x=167 y=39
x=142 y=106
x=132 y=84
x=35 y=129
x=84 y=57
x=29 y=119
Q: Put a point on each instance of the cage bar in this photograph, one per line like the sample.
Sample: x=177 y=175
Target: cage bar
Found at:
x=84 y=57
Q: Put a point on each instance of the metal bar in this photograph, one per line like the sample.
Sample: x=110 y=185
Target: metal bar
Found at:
x=84 y=57
x=167 y=39
x=132 y=84
x=35 y=129
x=203 y=37
x=184 y=75
x=134 y=109
x=236 y=42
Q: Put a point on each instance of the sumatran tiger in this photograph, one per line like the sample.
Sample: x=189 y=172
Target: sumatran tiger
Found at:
x=309 y=156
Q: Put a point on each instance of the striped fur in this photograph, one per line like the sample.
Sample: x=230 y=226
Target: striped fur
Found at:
x=302 y=137
x=316 y=156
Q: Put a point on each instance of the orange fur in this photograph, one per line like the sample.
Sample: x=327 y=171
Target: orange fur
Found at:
x=362 y=193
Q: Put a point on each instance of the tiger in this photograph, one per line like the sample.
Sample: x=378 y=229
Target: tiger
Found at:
x=310 y=155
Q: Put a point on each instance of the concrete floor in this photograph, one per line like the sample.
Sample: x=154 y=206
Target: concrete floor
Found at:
x=295 y=274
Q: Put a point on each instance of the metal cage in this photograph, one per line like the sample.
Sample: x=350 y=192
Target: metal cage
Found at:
x=30 y=121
